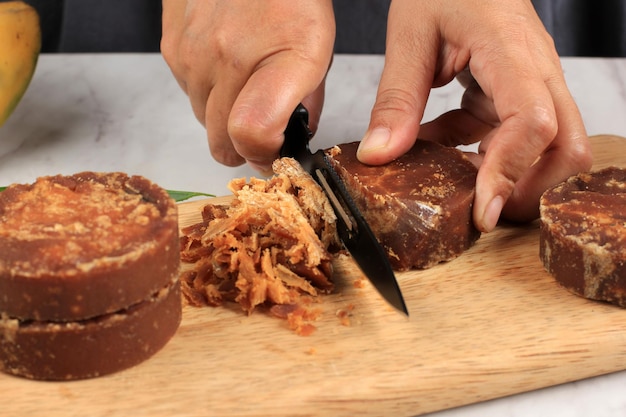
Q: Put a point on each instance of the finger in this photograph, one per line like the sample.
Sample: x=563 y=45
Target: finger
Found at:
x=216 y=111
x=476 y=103
x=172 y=19
x=568 y=154
x=173 y=13
x=262 y=109
x=469 y=124
x=456 y=127
x=529 y=124
x=410 y=62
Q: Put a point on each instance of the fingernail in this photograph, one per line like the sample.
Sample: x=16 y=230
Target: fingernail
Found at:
x=492 y=213
x=377 y=139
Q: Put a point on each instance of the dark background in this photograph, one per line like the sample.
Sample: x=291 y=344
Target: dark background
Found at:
x=579 y=27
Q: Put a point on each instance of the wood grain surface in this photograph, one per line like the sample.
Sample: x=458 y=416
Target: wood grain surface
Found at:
x=488 y=324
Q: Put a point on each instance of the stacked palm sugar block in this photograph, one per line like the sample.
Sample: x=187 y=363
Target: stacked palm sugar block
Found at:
x=89 y=269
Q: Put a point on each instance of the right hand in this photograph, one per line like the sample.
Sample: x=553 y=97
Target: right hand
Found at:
x=245 y=67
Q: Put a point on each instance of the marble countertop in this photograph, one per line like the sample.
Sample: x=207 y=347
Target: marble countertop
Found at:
x=125 y=112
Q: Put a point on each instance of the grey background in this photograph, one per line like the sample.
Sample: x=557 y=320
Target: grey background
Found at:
x=579 y=27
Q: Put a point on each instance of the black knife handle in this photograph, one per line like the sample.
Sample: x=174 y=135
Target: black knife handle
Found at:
x=297 y=135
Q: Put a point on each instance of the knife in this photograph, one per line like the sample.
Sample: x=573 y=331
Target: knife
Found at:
x=353 y=230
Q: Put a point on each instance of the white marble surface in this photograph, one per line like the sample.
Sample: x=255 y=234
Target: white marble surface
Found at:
x=126 y=113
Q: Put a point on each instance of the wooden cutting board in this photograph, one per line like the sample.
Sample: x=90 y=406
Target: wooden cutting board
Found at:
x=488 y=324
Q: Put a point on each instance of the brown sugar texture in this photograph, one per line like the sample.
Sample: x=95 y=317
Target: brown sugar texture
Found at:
x=79 y=246
x=418 y=206
x=271 y=246
x=583 y=234
x=88 y=260
x=274 y=243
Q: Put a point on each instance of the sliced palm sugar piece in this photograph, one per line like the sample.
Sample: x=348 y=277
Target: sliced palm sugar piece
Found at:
x=69 y=350
x=419 y=206
x=583 y=234
x=79 y=246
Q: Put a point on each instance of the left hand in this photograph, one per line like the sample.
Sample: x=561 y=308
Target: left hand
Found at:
x=516 y=102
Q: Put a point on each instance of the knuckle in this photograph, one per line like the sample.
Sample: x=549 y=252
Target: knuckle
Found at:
x=221 y=43
x=395 y=100
x=580 y=155
x=540 y=119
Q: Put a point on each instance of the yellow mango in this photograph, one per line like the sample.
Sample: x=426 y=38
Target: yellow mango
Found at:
x=20 y=43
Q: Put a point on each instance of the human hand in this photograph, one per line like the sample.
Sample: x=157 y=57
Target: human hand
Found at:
x=516 y=100
x=245 y=67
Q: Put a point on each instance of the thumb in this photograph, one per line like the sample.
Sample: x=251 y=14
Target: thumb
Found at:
x=406 y=80
x=262 y=109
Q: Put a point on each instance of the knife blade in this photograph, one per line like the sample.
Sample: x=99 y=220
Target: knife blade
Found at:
x=352 y=228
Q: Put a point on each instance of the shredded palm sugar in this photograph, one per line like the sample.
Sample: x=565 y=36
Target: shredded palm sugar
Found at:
x=271 y=246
